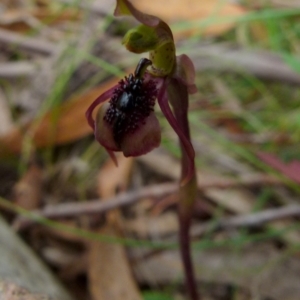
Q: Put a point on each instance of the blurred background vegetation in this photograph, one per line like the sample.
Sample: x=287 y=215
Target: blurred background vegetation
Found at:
x=58 y=56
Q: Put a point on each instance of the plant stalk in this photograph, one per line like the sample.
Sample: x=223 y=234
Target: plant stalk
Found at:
x=179 y=99
x=185 y=209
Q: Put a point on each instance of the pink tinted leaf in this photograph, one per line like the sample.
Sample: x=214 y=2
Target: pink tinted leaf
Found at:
x=124 y=7
x=102 y=98
x=186 y=143
x=144 y=139
x=291 y=169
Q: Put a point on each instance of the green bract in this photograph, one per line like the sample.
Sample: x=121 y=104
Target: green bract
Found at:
x=153 y=36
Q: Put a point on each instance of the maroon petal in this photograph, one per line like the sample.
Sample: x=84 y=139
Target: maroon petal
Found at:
x=185 y=72
x=104 y=131
x=89 y=115
x=134 y=143
x=144 y=139
x=186 y=143
x=102 y=98
x=104 y=135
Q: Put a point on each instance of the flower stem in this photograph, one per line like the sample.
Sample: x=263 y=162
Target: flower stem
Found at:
x=187 y=195
x=178 y=96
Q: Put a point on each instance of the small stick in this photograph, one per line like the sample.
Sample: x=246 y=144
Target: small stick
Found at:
x=249 y=220
x=28 y=43
x=97 y=206
x=75 y=209
x=17 y=69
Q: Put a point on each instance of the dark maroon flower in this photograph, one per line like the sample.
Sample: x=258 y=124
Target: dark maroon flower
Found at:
x=127 y=122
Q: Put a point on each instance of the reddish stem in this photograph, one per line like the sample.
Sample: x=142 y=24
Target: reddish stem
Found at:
x=187 y=196
x=178 y=96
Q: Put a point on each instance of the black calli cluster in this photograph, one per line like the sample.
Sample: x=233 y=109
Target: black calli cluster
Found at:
x=132 y=102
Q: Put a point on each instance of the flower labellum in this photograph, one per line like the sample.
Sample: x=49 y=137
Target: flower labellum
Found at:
x=127 y=122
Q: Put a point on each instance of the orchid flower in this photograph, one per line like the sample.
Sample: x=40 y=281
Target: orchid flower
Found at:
x=126 y=121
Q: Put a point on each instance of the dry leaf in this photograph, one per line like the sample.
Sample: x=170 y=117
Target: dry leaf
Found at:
x=195 y=10
x=290 y=169
x=15 y=20
x=44 y=15
x=23 y=19
x=109 y=271
x=28 y=190
x=64 y=124
x=112 y=179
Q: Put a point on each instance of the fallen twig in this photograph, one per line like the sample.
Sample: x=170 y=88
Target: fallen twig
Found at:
x=249 y=220
x=248 y=180
x=128 y=198
x=27 y=43
x=16 y=69
x=96 y=206
x=234 y=59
